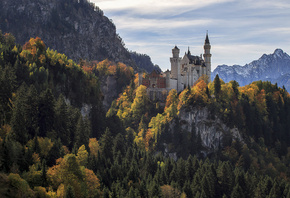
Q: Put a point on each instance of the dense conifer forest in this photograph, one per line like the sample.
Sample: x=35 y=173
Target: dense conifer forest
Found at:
x=51 y=147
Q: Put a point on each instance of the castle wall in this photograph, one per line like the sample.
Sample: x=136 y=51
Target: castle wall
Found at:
x=173 y=83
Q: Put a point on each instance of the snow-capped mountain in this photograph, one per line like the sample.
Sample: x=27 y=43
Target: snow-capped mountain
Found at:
x=273 y=67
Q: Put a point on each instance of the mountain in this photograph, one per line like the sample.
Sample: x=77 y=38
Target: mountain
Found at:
x=76 y=28
x=273 y=67
x=144 y=62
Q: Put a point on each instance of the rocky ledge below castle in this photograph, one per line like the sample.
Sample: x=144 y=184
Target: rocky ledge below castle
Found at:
x=213 y=131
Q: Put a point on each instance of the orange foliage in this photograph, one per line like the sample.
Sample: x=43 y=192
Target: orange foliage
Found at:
x=87 y=69
x=94 y=146
x=34 y=50
x=136 y=79
x=148 y=139
x=92 y=182
x=171 y=98
x=198 y=92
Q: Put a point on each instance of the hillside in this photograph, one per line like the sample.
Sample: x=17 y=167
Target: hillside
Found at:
x=76 y=28
x=273 y=67
x=211 y=140
x=144 y=62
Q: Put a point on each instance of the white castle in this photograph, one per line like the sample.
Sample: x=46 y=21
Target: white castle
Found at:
x=184 y=72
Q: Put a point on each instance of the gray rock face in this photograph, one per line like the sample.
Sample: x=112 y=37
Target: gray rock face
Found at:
x=273 y=67
x=76 y=28
x=109 y=90
x=212 y=131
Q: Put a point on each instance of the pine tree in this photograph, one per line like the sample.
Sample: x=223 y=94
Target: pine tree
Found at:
x=69 y=192
x=217 y=86
x=61 y=122
x=237 y=192
x=18 y=120
x=46 y=112
x=43 y=174
x=106 y=144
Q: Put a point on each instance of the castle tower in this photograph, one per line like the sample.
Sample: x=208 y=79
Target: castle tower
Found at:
x=207 y=56
x=175 y=63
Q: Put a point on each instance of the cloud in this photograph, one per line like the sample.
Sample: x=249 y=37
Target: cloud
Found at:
x=153 y=7
x=240 y=31
x=157 y=24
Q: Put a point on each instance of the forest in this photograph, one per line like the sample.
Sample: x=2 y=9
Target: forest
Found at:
x=50 y=147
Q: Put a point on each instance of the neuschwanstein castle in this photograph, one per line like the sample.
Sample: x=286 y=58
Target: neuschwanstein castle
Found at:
x=184 y=72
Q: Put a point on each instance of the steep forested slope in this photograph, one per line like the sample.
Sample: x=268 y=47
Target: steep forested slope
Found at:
x=51 y=147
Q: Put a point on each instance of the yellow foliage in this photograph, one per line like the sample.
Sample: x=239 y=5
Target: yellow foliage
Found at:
x=94 y=146
x=250 y=90
x=198 y=92
x=5 y=130
x=172 y=98
x=183 y=98
x=35 y=158
x=45 y=145
x=67 y=171
x=82 y=156
x=41 y=192
x=22 y=187
x=168 y=192
x=52 y=194
x=60 y=191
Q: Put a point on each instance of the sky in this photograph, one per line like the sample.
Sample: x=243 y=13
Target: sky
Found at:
x=240 y=31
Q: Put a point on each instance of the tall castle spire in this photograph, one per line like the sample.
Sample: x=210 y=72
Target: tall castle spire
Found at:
x=207 y=56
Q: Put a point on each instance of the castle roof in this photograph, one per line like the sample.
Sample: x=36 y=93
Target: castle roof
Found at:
x=206 y=39
x=196 y=60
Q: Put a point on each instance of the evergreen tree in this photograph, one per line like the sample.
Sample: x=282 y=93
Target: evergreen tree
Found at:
x=69 y=192
x=217 y=86
x=61 y=122
x=43 y=174
x=237 y=192
x=46 y=112
x=106 y=144
x=18 y=120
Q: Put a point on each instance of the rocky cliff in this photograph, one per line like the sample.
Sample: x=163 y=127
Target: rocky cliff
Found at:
x=210 y=132
x=76 y=28
x=272 y=67
x=109 y=90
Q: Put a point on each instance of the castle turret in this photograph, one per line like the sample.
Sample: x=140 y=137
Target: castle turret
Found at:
x=207 y=56
x=175 y=63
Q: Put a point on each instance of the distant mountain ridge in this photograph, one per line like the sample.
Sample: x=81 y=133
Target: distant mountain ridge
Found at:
x=76 y=28
x=272 y=67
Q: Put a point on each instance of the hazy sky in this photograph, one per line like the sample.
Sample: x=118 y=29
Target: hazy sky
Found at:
x=239 y=30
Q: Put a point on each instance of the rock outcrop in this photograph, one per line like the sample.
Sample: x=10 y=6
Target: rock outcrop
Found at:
x=109 y=90
x=212 y=130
